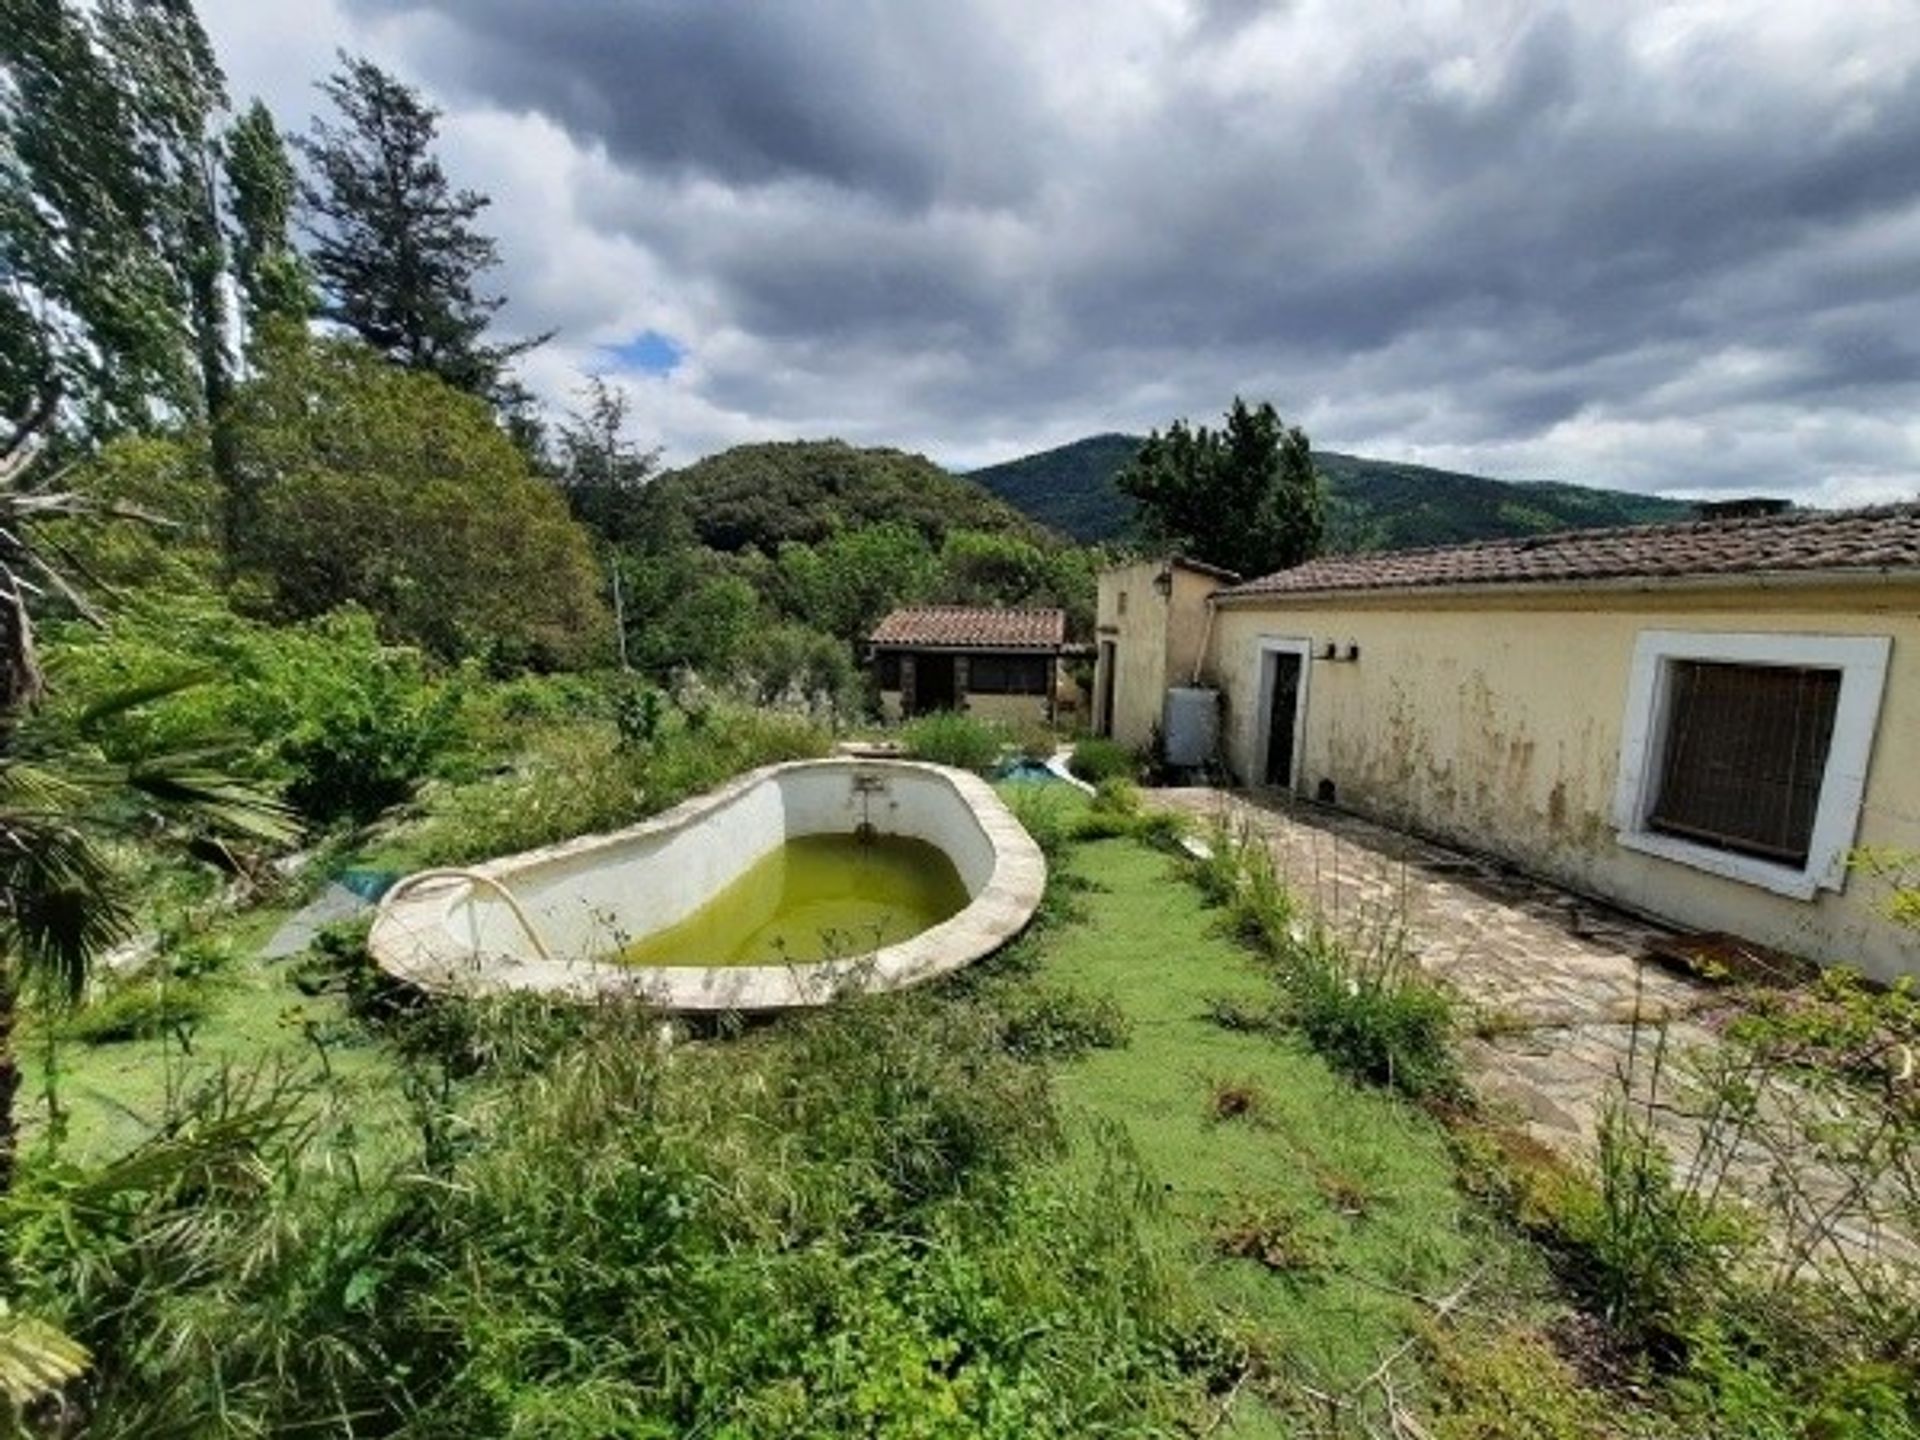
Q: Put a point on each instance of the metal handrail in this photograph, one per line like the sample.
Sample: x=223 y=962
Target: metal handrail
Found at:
x=472 y=877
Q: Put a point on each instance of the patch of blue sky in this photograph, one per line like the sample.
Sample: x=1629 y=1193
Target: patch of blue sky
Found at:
x=648 y=353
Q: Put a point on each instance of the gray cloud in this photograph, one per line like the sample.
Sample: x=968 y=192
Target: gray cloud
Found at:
x=1659 y=247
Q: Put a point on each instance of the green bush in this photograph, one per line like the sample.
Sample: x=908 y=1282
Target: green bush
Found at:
x=948 y=737
x=1095 y=759
x=580 y=779
x=137 y=1009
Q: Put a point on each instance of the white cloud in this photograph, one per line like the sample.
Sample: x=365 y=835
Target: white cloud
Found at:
x=1663 y=247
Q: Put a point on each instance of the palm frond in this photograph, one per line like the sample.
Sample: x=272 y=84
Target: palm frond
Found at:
x=189 y=787
x=60 y=903
x=36 y=1358
x=117 y=703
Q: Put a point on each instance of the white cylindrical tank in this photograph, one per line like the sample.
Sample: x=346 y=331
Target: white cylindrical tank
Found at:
x=1190 y=724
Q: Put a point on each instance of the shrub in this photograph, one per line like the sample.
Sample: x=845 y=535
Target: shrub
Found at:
x=1095 y=759
x=949 y=737
x=578 y=780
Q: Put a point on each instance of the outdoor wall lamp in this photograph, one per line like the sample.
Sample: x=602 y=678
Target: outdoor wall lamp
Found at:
x=1163 y=582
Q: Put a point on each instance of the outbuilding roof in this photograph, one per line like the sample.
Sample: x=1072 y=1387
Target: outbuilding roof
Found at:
x=967 y=627
x=1879 y=540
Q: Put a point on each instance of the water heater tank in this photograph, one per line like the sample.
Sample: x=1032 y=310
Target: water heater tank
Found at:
x=1190 y=725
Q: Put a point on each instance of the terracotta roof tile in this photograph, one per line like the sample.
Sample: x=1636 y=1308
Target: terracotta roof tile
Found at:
x=967 y=627
x=1886 y=538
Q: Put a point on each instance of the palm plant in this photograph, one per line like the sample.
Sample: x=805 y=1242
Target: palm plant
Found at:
x=60 y=799
x=61 y=803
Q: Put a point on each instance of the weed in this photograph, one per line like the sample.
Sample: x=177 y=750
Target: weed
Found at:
x=1058 y=1022
x=1274 y=1235
x=1235 y=1100
x=949 y=737
x=138 y=1009
x=1507 y=1383
x=1095 y=759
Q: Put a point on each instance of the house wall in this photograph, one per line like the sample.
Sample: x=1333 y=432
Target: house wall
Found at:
x=1497 y=722
x=1007 y=709
x=1158 y=638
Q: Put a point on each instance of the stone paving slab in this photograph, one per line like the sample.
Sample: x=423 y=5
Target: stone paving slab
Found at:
x=1553 y=981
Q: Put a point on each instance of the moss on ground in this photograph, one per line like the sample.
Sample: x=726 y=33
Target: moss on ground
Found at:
x=1314 y=1212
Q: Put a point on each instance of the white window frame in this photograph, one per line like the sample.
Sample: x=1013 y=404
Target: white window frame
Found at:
x=1263 y=712
x=1862 y=663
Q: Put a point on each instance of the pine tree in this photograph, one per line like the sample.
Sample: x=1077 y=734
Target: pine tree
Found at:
x=395 y=249
x=262 y=186
x=1245 y=497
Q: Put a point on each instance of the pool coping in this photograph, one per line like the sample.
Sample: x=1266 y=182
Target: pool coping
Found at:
x=411 y=943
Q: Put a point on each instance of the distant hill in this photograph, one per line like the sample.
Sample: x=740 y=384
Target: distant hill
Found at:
x=1372 y=504
x=757 y=496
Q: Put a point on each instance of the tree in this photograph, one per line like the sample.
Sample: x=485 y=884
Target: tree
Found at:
x=1245 y=497
x=393 y=491
x=395 y=250
x=847 y=582
x=262 y=186
x=95 y=314
x=602 y=473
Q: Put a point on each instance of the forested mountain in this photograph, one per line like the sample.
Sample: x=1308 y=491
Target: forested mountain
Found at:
x=1371 y=504
x=761 y=496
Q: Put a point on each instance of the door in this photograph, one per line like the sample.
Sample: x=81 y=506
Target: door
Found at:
x=933 y=687
x=1109 y=658
x=1283 y=716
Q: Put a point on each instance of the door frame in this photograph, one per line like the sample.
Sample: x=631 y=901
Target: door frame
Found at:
x=1106 y=671
x=1270 y=646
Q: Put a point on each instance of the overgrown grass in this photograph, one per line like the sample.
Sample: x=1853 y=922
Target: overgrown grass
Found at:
x=1314 y=1214
x=950 y=737
x=1095 y=759
x=1362 y=1004
x=578 y=777
x=845 y=1224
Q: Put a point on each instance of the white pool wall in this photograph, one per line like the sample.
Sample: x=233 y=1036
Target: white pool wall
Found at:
x=587 y=898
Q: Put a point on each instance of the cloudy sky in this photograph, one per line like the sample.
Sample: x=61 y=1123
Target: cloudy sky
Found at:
x=1667 y=247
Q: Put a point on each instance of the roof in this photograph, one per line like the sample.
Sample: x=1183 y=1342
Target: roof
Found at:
x=1880 y=540
x=1180 y=562
x=966 y=627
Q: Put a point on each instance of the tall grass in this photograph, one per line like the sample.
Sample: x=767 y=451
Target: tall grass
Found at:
x=949 y=737
x=1365 y=1006
x=836 y=1225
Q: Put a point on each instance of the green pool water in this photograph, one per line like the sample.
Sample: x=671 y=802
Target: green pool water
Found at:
x=818 y=897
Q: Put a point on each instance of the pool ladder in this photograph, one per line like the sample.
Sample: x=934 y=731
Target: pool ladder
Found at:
x=472 y=877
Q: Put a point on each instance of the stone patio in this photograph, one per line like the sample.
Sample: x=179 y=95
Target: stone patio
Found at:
x=1553 y=981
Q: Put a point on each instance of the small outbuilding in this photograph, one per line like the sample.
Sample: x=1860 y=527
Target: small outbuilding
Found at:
x=1002 y=664
x=1707 y=722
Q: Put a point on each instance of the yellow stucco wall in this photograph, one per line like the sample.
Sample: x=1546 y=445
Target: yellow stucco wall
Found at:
x=1158 y=638
x=1008 y=709
x=1497 y=721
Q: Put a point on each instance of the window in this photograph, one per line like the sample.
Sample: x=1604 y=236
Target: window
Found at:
x=1746 y=755
x=1008 y=674
x=1745 y=748
x=887 y=667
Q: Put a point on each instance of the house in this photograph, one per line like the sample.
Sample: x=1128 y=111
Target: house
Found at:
x=1150 y=628
x=999 y=664
x=1700 y=721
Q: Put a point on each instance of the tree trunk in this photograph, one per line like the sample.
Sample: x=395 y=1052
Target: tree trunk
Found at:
x=9 y=1074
